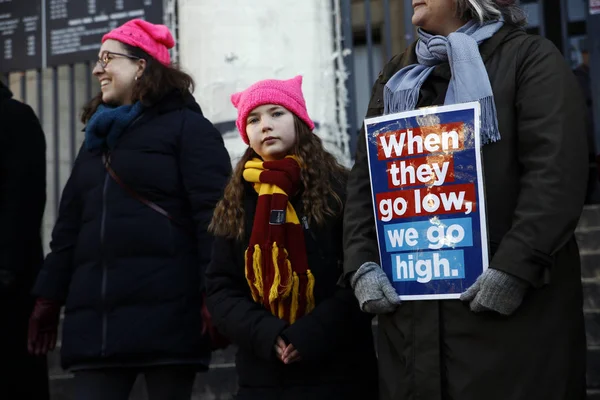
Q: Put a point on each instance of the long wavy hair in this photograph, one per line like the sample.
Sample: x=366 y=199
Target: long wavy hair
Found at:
x=156 y=81
x=318 y=170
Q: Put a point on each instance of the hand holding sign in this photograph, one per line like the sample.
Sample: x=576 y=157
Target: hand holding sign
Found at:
x=373 y=290
x=496 y=291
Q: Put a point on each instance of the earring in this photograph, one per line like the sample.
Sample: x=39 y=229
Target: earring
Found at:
x=136 y=78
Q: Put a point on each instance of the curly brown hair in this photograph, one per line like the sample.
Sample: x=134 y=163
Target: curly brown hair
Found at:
x=156 y=81
x=318 y=170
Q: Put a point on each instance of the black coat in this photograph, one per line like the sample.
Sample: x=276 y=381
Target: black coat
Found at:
x=130 y=277
x=22 y=202
x=334 y=340
x=535 y=181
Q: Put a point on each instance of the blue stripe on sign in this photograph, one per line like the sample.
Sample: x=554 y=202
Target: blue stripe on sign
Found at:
x=426 y=266
x=433 y=234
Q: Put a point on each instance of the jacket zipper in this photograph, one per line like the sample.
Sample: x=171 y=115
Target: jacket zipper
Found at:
x=104 y=265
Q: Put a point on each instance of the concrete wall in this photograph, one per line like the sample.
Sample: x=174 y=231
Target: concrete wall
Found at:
x=229 y=45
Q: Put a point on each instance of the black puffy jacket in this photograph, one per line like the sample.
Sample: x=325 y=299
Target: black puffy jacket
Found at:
x=130 y=278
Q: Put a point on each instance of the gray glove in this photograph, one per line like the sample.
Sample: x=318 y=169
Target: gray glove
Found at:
x=496 y=291
x=373 y=290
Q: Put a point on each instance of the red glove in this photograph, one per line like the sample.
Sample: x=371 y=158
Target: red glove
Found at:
x=43 y=326
x=217 y=341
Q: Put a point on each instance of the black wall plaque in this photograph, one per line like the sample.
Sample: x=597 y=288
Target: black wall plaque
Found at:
x=74 y=28
x=20 y=35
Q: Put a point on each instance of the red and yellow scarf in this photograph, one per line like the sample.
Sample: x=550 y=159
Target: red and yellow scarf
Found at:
x=276 y=262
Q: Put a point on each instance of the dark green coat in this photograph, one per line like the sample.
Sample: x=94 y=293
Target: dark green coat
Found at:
x=535 y=180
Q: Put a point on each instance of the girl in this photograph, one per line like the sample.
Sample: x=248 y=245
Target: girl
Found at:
x=272 y=283
x=521 y=323
x=130 y=245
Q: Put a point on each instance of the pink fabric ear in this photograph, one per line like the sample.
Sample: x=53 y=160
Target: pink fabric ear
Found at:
x=298 y=80
x=161 y=34
x=235 y=99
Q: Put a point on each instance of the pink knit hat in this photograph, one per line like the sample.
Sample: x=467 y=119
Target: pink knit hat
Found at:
x=286 y=93
x=156 y=40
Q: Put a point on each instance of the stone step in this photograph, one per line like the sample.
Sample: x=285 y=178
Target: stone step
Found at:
x=593 y=395
x=592 y=328
x=588 y=241
x=591 y=294
x=590 y=217
x=593 y=368
x=590 y=264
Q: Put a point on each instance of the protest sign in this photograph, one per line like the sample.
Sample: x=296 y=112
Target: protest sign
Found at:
x=428 y=199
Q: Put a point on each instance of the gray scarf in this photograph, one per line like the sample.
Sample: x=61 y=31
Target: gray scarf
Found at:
x=469 y=82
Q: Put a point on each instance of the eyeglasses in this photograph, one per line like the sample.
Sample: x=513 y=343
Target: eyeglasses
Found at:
x=107 y=56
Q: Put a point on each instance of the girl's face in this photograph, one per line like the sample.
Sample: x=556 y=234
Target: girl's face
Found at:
x=117 y=76
x=437 y=17
x=271 y=132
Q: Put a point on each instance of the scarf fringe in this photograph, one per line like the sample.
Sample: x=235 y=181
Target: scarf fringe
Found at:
x=279 y=289
x=400 y=100
x=310 y=292
x=489 y=121
x=285 y=289
x=256 y=285
x=295 y=296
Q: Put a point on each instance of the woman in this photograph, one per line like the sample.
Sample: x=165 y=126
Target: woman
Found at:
x=518 y=333
x=130 y=245
x=273 y=280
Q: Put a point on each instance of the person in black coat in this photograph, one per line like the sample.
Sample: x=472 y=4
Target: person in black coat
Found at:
x=272 y=283
x=517 y=327
x=130 y=245
x=22 y=202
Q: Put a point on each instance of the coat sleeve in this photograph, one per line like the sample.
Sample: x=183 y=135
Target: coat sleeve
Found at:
x=322 y=333
x=248 y=324
x=552 y=152
x=54 y=278
x=205 y=167
x=360 y=236
x=22 y=185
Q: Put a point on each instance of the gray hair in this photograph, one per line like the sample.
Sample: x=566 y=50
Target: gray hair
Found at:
x=485 y=10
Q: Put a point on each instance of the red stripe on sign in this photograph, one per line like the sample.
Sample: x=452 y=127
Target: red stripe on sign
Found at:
x=435 y=200
x=421 y=140
x=435 y=169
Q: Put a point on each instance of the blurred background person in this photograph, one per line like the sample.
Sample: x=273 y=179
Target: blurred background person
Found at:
x=22 y=203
